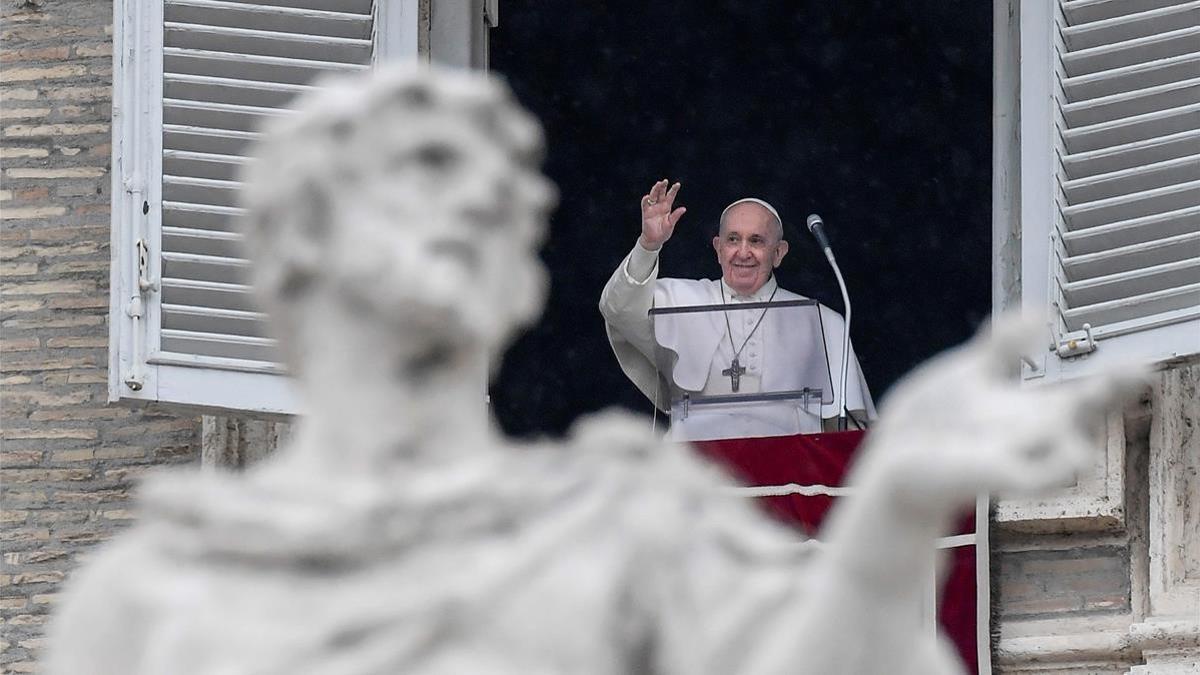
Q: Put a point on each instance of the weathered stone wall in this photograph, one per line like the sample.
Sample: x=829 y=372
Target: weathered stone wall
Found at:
x=68 y=459
x=1114 y=595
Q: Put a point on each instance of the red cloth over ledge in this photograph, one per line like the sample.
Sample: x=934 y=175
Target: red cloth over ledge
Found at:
x=824 y=459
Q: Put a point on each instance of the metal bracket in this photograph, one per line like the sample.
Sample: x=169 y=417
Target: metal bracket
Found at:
x=136 y=311
x=491 y=13
x=1077 y=343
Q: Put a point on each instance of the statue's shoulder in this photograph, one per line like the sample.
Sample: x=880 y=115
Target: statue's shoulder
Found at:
x=615 y=433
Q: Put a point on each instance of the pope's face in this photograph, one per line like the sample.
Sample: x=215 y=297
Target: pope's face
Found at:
x=748 y=247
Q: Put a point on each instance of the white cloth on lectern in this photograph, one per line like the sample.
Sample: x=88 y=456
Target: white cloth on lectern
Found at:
x=691 y=350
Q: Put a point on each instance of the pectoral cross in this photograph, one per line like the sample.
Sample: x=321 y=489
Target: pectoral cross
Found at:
x=734 y=371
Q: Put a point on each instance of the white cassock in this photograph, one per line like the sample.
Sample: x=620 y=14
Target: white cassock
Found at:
x=676 y=354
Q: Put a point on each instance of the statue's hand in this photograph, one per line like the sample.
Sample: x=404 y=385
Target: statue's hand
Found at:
x=964 y=423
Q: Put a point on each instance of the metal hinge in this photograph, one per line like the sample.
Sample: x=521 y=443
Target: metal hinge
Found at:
x=491 y=13
x=1077 y=343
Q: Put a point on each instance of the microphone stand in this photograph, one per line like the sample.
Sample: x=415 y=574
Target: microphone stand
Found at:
x=843 y=422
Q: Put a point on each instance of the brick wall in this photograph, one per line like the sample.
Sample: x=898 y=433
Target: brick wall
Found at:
x=68 y=458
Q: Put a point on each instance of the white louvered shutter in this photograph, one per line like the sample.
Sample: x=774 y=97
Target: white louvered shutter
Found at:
x=195 y=79
x=1114 y=244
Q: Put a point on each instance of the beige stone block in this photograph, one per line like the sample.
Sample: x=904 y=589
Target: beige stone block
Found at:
x=118 y=514
x=18 y=269
x=32 y=212
x=20 y=433
x=48 y=577
x=72 y=172
x=18 y=94
x=77 y=342
x=103 y=49
x=45 y=598
x=21 y=305
x=13 y=153
x=79 y=93
x=75 y=413
x=46 y=475
x=9 y=516
x=25 y=534
x=23 y=113
x=30 y=131
x=51 y=287
x=81 y=455
x=73 y=321
x=93 y=302
x=13 y=603
x=57 y=53
x=72 y=234
x=88 y=378
x=77 y=266
x=11 y=458
x=19 y=152
x=23 y=344
x=42 y=73
x=15 y=380
x=120 y=452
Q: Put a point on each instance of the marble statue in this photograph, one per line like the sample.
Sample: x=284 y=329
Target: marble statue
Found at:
x=394 y=221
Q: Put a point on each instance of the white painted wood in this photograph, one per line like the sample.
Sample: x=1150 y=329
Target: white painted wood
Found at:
x=1110 y=203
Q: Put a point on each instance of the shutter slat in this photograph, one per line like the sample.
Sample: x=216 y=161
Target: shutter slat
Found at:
x=232 y=91
x=1140 y=50
x=213 y=320
x=1131 y=26
x=354 y=6
x=1083 y=11
x=266 y=43
x=215 y=294
x=201 y=190
x=220 y=116
x=202 y=242
x=1141 y=281
x=1134 y=231
x=1130 y=103
x=203 y=139
x=267 y=18
x=249 y=66
x=1131 y=129
x=212 y=344
x=202 y=164
x=205 y=267
x=1136 y=76
x=1128 y=258
x=199 y=216
x=1133 y=180
x=1129 y=155
x=1137 y=309
x=1127 y=207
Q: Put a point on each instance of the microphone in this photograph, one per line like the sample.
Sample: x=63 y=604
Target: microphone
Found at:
x=817 y=227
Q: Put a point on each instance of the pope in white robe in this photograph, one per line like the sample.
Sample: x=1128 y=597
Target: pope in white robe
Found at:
x=742 y=351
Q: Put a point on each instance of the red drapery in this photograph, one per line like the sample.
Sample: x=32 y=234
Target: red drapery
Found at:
x=824 y=459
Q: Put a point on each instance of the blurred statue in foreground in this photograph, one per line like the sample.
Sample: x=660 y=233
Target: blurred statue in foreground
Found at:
x=393 y=222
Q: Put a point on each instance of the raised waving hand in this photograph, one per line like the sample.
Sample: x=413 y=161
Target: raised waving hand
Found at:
x=658 y=215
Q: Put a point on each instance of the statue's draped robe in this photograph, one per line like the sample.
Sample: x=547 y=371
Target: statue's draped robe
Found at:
x=614 y=554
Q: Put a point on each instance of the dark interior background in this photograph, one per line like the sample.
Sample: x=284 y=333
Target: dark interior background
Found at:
x=877 y=115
